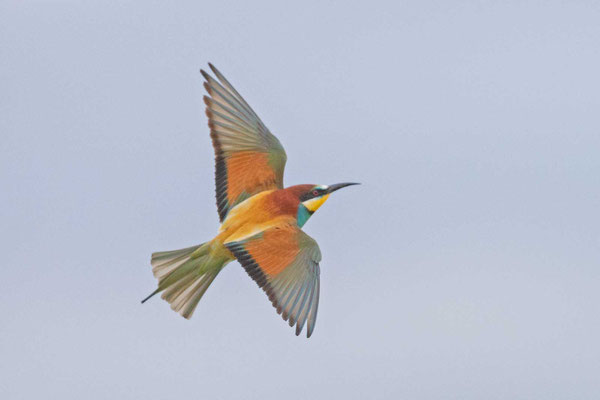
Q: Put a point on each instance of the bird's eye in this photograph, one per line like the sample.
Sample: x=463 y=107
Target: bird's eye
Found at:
x=315 y=192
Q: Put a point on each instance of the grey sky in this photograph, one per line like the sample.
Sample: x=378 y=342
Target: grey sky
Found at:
x=465 y=267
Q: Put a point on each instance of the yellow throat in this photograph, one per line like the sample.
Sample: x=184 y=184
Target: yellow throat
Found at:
x=313 y=205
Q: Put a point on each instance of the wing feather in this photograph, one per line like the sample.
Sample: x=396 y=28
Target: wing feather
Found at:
x=248 y=157
x=284 y=262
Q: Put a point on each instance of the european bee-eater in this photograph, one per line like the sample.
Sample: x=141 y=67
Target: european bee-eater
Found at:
x=260 y=220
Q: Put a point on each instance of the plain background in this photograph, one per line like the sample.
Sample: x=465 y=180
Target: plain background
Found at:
x=465 y=266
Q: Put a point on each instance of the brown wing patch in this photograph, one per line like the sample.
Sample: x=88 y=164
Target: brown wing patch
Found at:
x=277 y=249
x=248 y=169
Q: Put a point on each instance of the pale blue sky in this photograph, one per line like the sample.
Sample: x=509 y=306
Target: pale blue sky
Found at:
x=465 y=267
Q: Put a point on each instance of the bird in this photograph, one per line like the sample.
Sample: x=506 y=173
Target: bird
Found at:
x=261 y=220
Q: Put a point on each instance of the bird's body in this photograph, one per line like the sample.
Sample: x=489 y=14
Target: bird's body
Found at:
x=258 y=213
x=260 y=220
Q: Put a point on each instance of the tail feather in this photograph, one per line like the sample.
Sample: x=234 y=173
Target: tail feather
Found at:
x=188 y=307
x=165 y=262
x=186 y=300
x=184 y=275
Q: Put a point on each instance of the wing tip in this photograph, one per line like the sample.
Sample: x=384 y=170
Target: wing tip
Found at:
x=204 y=74
x=207 y=86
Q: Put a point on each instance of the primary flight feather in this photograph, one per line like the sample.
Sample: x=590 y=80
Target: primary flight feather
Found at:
x=261 y=220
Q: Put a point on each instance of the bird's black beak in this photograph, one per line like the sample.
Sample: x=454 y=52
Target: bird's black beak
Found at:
x=337 y=186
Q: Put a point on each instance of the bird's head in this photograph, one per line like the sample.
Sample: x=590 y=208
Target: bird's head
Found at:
x=314 y=197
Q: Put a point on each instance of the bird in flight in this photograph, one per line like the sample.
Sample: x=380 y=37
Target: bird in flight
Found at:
x=261 y=221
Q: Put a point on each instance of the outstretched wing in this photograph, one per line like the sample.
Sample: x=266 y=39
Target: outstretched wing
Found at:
x=284 y=262
x=249 y=159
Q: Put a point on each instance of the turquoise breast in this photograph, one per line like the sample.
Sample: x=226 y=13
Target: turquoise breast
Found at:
x=303 y=215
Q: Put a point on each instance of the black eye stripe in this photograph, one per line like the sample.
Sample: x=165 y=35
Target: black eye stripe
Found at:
x=315 y=192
